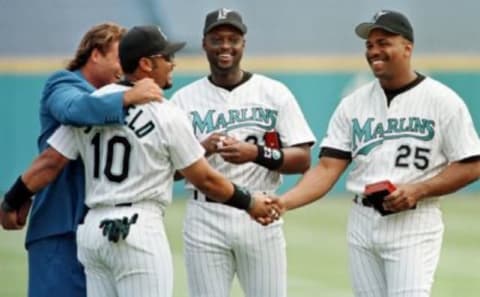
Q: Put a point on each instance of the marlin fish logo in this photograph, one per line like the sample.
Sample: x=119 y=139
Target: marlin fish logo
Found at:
x=371 y=133
x=379 y=14
x=223 y=13
x=232 y=119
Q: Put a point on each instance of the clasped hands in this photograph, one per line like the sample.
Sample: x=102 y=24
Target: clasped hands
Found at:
x=266 y=208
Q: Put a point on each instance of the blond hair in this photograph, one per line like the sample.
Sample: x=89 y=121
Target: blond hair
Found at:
x=98 y=37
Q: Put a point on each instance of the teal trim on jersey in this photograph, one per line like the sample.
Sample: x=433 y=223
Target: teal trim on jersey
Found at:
x=266 y=128
x=369 y=147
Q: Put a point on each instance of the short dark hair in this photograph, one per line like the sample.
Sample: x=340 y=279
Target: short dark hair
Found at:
x=98 y=37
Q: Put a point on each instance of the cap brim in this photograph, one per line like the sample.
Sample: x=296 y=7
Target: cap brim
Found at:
x=173 y=47
x=240 y=27
x=364 y=29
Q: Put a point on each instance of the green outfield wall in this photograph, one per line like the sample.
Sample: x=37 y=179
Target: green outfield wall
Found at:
x=317 y=92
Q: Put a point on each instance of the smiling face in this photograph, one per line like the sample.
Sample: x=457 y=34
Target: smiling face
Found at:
x=160 y=69
x=224 y=46
x=388 y=54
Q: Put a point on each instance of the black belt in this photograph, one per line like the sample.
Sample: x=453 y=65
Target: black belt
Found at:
x=359 y=199
x=207 y=199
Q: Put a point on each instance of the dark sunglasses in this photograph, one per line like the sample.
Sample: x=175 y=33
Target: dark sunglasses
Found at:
x=168 y=58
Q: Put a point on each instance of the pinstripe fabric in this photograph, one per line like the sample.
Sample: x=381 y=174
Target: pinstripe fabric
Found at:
x=152 y=159
x=132 y=163
x=141 y=265
x=414 y=138
x=395 y=255
x=251 y=109
x=429 y=116
x=221 y=241
x=216 y=250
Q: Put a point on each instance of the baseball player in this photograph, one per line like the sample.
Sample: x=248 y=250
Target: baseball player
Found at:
x=253 y=131
x=59 y=208
x=407 y=129
x=129 y=175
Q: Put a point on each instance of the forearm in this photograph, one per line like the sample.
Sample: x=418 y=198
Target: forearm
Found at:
x=44 y=170
x=208 y=180
x=452 y=178
x=82 y=109
x=216 y=186
x=315 y=183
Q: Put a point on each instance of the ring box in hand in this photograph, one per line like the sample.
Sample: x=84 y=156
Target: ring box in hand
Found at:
x=375 y=193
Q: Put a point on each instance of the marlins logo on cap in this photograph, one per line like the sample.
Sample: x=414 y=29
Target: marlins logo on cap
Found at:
x=224 y=16
x=390 y=21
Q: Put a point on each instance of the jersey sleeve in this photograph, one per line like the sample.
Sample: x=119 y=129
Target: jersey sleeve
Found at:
x=292 y=125
x=459 y=136
x=68 y=99
x=338 y=134
x=184 y=147
x=63 y=141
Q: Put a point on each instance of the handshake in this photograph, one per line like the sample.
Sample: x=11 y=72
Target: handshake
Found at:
x=266 y=209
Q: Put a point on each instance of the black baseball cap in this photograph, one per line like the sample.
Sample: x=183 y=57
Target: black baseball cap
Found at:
x=388 y=20
x=144 y=41
x=224 y=16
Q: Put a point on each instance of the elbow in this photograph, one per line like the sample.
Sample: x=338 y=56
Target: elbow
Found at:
x=297 y=161
x=297 y=166
x=305 y=165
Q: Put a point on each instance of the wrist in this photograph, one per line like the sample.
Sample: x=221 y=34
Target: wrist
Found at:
x=241 y=198
x=422 y=191
x=16 y=196
x=270 y=158
x=126 y=99
x=6 y=207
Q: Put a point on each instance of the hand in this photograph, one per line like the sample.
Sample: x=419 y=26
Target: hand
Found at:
x=213 y=142
x=9 y=220
x=403 y=198
x=238 y=152
x=278 y=208
x=144 y=90
x=261 y=211
x=23 y=212
x=267 y=209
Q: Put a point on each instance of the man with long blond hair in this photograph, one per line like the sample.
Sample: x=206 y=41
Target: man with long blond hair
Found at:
x=57 y=210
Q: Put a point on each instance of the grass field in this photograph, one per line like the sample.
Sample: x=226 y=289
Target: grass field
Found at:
x=317 y=264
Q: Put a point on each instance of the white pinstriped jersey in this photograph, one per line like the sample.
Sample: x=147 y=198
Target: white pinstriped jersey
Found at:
x=135 y=161
x=413 y=139
x=220 y=241
x=246 y=113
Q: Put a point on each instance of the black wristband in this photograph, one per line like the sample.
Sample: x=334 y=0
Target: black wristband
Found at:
x=16 y=196
x=270 y=158
x=241 y=198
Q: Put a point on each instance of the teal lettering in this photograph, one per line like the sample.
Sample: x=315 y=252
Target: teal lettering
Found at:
x=361 y=134
x=202 y=125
